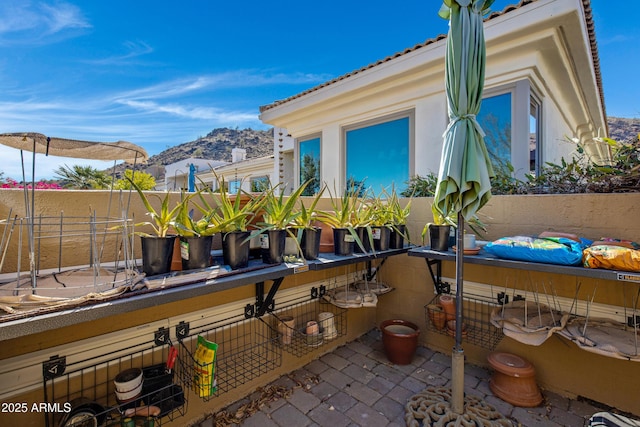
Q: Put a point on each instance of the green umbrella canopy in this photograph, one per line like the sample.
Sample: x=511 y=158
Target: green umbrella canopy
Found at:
x=464 y=184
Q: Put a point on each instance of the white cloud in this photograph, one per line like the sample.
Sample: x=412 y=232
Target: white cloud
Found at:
x=133 y=50
x=35 y=22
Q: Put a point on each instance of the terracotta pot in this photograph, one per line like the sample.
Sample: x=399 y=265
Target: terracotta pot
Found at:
x=514 y=380
x=286 y=326
x=400 y=340
x=326 y=237
x=448 y=304
x=437 y=316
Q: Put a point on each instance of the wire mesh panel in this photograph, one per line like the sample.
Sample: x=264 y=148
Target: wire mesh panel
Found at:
x=303 y=327
x=476 y=327
x=90 y=392
x=229 y=353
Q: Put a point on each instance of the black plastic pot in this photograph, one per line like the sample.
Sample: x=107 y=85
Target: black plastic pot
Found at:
x=235 y=249
x=363 y=235
x=196 y=252
x=381 y=238
x=397 y=236
x=310 y=242
x=272 y=246
x=343 y=241
x=156 y=254
x=439 y=237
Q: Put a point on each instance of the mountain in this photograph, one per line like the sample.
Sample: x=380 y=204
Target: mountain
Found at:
x=623 y=130
x=217 y=145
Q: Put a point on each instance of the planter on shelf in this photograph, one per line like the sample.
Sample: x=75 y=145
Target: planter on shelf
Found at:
x=326 y=237
x=195 y=252
x=310 y=242
x=156 y=254
x=397 y=236
x=399 y=340
x=343 y=241
x=363 y=235
x=439 y=237
x=381 y=238
x=272 y=244
x=235 y=249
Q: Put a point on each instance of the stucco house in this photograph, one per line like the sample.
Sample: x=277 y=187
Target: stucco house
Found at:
x=542 y=87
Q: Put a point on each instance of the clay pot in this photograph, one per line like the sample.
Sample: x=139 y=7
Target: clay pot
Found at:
x=448 y=304
x=437 y=316
x=286 y=326
x=514 y=380
x=451 y=329
x=400 y=340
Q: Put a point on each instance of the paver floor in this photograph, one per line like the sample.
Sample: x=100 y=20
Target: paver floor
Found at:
x=356 y=385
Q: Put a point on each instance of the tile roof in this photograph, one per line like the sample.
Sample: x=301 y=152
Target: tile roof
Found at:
x=588 y=15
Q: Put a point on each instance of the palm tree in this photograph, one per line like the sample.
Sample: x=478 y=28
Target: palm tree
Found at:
x=82 y=177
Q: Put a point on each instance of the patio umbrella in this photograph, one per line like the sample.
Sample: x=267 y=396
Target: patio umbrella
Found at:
x=464 y=184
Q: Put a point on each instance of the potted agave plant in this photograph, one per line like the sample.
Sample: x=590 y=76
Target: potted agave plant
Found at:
x=340 y=218
x=309 y=234
x=279 y=214
x=399 y=215
x=196 y=235
x=231 y=217
x=381 y=224
x=157 y=247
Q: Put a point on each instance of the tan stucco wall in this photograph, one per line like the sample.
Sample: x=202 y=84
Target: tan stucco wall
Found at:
x=561 y=366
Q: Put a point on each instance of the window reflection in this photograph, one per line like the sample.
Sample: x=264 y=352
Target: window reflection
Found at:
x=495 y=119
x=378 y=156
x=309 y=162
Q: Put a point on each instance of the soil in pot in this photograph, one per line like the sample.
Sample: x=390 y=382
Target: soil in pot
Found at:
x=195 y=252
x=156 y=254
x=235 y=249
x=399 y=340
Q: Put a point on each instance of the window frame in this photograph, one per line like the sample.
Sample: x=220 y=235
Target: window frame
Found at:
x=522 y=95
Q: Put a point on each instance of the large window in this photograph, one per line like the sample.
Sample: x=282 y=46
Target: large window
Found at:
x=309 y=161
x=378 y=154
x=511 y=120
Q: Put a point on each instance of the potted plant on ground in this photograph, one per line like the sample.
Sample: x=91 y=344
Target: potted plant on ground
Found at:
x=279 y=214
x=157 y=247
x=340 y=218
x=309 y=234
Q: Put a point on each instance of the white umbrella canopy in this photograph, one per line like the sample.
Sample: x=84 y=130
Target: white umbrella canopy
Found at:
x=51 y=146
x=464 y=178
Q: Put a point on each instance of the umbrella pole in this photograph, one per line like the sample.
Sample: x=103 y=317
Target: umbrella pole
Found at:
x=457 y=354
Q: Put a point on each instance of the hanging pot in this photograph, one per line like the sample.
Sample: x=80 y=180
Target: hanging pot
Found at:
x=195 y=252
x=397 y=236
x=156 y=254
x=399 y=340
x=343 y=242
x=235 y=249
x=439 y=237
x=272 y=243
x=363 y=235
x=310 y=242
x=381 y=238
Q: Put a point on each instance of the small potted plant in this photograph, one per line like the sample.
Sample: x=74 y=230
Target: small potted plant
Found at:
x=381 y=224
x=196 y=235
x=399 y=215
x=231 y=218
x=340 y=218
x=279 y=214
x=157 y=247
x=309 y=234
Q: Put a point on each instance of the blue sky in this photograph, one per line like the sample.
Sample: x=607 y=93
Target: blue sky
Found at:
x=159 y=73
